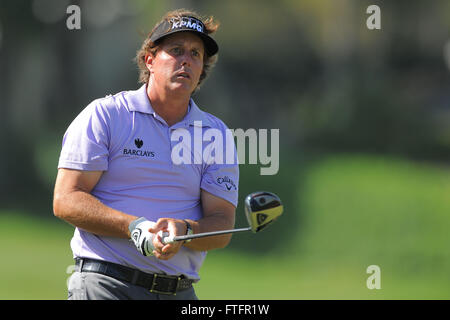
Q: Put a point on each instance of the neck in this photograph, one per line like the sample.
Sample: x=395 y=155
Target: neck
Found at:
x=171 y=107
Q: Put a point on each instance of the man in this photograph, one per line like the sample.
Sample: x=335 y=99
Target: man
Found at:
x=117 y=178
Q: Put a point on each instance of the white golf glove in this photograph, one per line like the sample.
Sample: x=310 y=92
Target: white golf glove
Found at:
x=142 y=238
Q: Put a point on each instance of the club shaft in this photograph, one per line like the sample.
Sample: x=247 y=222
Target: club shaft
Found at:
x=209 y=234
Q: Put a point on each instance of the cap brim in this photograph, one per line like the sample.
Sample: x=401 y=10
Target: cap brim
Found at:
x=211 y=46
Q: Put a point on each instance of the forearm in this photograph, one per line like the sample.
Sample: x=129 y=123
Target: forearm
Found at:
x=215 y=222
x=84 y=211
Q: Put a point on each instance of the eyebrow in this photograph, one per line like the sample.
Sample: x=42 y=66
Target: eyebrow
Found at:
x=180 y=43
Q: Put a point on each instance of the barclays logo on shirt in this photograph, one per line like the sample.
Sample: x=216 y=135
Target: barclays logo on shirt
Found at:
x=141 y=153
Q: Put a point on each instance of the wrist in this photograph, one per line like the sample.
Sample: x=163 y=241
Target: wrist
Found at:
x=189 y=230
x=135 y=222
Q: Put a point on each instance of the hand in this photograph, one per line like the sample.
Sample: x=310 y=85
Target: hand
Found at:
x=143 y=238
x=174 y=227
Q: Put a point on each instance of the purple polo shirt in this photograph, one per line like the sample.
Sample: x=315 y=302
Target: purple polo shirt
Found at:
x=122 y=136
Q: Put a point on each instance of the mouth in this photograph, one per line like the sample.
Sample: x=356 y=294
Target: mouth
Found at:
x=183 y=75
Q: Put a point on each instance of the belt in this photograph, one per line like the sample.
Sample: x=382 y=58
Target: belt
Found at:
x=154 y=282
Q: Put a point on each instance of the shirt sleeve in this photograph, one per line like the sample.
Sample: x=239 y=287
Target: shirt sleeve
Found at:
x=85 y=143
x=222 y=179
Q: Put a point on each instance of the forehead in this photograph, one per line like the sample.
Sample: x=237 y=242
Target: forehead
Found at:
x=184 y=37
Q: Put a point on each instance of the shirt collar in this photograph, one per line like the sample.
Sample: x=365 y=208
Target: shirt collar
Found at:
x=195 y=117
x=138 y=101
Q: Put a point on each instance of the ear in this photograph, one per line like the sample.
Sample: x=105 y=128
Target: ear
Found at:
x=149 y=61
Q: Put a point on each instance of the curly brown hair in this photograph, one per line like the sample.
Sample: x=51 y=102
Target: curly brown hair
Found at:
x=149 y=47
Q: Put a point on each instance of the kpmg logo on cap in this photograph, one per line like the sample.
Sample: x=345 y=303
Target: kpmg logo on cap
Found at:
x=187 y=23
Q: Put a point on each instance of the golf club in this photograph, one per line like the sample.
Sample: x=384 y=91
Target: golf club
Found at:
x=261 y=209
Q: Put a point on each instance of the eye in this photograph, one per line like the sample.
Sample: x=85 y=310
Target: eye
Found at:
x=196 y=53
x=177 y=50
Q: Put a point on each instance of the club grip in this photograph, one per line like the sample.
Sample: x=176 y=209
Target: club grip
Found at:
x=166 y=238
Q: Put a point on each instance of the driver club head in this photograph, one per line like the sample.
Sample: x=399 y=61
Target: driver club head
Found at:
x=261 y=209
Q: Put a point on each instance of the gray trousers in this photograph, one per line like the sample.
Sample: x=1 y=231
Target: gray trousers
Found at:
x=96 y=286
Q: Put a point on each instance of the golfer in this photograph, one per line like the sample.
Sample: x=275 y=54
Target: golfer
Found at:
x=119 y=185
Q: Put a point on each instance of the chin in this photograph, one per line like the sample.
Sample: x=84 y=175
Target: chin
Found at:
x=182 y=89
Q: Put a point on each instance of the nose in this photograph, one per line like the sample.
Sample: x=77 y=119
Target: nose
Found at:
x=184 y=63
x=185 y=60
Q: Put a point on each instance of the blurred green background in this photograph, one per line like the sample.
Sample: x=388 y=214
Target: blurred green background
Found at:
x=364 y=118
